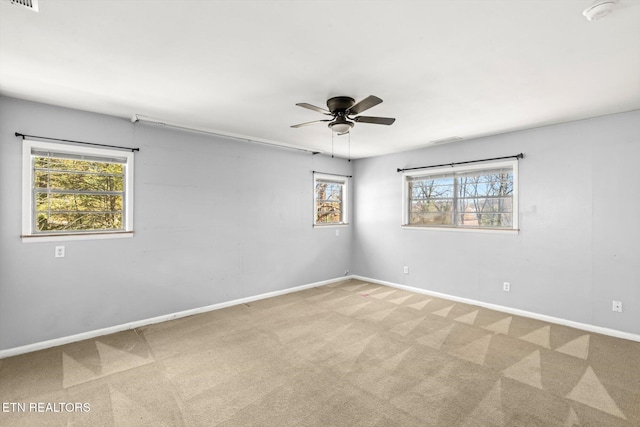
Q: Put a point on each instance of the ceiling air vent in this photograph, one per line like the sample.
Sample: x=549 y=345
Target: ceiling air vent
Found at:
x=446 y=140
x=29 y=4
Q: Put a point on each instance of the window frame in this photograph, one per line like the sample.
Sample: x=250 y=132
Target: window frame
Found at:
x=461 y=169
x=29 y=234
x=344 y=180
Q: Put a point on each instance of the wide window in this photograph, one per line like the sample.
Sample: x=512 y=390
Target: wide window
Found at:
x=76 y=191
x=479 y=197
x=330 y=200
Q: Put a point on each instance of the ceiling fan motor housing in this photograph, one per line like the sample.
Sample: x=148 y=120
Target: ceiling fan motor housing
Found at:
x=340 y=104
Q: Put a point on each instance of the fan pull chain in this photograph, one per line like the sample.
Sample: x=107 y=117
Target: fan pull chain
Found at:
x=332 y=144
x=349 y=145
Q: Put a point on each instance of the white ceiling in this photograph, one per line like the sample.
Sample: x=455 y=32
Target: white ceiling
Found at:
x=443 y=68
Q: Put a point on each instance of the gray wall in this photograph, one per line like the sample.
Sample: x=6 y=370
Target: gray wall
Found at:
x=218 y=219
x=579 y=244
x=215 y=220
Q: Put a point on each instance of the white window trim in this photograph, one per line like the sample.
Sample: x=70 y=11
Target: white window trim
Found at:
x=515 y=228
x=28 y=235
x=345 y=199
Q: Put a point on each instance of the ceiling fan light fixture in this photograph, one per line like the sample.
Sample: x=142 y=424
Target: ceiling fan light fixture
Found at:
x=341 y=126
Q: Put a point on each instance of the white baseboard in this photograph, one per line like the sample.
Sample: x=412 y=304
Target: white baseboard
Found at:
x=140 y=323
x=510 y=310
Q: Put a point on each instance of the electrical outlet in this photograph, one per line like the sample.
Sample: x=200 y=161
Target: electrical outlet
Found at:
x=337 y=233
x=406 y=270
x=346 y=272
x=59 y=252
x=617 y=306
x=506 y=286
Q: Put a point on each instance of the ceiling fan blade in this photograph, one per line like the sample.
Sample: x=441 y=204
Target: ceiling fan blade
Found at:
x=375 y=120
x=309 y=123
x=365 y=104
x=313 y=107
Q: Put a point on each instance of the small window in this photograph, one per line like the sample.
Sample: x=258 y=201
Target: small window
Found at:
x=76 y=191
x=330 y=199
x=477 y=197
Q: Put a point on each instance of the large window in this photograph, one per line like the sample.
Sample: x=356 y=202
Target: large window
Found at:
x=330 y=200
x=481 y=197
x=74 y=191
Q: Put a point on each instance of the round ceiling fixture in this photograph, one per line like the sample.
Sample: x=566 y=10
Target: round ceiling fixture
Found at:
x=341 y=125
x=599 y=9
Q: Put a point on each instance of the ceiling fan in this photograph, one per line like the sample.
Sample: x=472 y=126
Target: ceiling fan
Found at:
x=344 y=110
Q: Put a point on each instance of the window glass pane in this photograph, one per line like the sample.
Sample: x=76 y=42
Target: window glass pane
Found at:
x=493 y=220
x=79 y=221
x=328 y=191
x=431 y=188
x=78 y=202
x=471 y=198
x=433 y=212
x=73 y=194
x=485 y=213
x=328 y=213
x=329 y=207
x=78 y=181
x=486 y=185
x=485 y=205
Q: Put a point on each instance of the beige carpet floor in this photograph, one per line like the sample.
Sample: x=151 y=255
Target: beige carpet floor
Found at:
x=346 y=354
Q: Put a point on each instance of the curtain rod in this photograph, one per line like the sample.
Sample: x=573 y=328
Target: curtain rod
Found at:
x=334 y=174
x=515 y=156
x=76 y=142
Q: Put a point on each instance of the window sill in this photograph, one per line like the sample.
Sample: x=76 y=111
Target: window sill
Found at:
x=330 y=225
x=463 y=229
x=33 y=238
